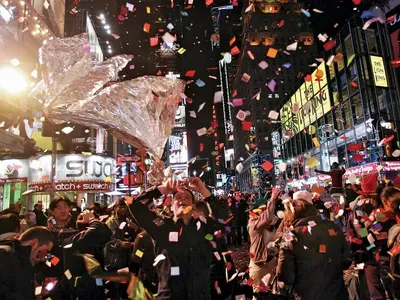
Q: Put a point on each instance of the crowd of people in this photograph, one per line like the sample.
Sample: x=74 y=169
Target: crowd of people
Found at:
x=175 y=241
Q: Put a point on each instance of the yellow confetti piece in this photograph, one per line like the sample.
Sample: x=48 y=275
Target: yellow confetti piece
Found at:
x=148 y=10
x=187 y=210
x=139 y=253
x=68 y=274
x=181 y=50
x=209 y=237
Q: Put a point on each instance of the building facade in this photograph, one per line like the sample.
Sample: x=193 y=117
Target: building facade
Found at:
x=346 y=112
x=278 y=47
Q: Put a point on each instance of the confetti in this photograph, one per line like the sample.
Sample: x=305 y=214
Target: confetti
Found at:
x=46 y=4
x=241 y=115
x=246 y=77
x=192 y=113
x=263 y=65
x=15 y=62
x=209 y=237
x=130 y=6
x=235 y=51
x=173 y=237
x=267 y=166
x=55 y=260
x=272 y=52
x=273 y=115
x=175 y=271
x=146 y=27
x=67 y=274
x=292 y=47
x=200 y=83
x=201 y=131
x=181 y=51
x=218 y=97
x=272 y=85
x=159 y=258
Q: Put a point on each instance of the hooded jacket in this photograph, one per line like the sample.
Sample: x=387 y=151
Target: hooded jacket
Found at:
x=184 y=273
x=17 y=274
x=314 y=260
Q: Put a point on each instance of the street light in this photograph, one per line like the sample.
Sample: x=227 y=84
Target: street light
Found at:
x=12 y=81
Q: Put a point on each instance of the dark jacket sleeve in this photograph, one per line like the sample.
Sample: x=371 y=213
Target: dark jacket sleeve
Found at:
x=144 y=217
x=96 y=234
x=286 y=266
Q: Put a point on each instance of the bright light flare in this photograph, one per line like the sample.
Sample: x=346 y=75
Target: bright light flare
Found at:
x=12 y=81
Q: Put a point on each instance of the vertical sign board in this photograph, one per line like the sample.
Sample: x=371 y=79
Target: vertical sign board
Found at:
x=378 y=69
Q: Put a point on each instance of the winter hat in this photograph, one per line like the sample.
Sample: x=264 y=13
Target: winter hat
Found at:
x=369 y=184
x=303 y=195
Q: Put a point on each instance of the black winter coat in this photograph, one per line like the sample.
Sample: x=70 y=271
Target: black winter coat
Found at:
x=313 y=263
x=185 y=273
x=16 y=272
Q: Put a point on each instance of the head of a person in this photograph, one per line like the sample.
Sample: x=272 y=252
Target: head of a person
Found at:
x=40 y=240
x=200 y=209
x=39 y=205
x=300 y=207
x=15 y=208
x=9 y=223
x=388 y=195
x=120 y=208
x=30 y=218
x=238 y=196
x=60 y=208
x=395 y=207
x=182 y=200
x=335 y=165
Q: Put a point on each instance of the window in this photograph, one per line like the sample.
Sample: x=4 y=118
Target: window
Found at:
x=357 y=109
x=348 y=46
x=370 y=36
x=335 y=93
x=339 y=122
x=340 y=61
x=347 y=114
x=345 y=91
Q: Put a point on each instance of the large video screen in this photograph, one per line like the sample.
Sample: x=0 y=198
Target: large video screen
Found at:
x=178 y=152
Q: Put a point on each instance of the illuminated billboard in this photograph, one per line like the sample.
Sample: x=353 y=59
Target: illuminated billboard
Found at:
x=310 y=102
x=178 y=151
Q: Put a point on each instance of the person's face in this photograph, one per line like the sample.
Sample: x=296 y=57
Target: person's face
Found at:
x=38 y=253
x=182 y=200
x=237 y=196
x=40 y=205
x=31 y=219
x=61 y=211
x=121 y=211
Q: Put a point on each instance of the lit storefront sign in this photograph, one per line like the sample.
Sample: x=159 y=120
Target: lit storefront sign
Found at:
x=178 y=152
x=14 y=170
x=378 y=69
x=180 y=117
x=73 y=173
x=367 y=169
x=310 y=102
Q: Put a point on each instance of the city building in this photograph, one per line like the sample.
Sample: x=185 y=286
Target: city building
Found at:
x=277 y=48
x=346 y=111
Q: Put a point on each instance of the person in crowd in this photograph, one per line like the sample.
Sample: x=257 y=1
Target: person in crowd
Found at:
x=142 y=261
x=185 y=244
x=261 y=231
x=28 y=221
x=60 y=215
x=92 y=241
x=351 y=194
x=393 y=244
x=17 y=258
x=313 y=252
x=336 y=174
x=376 y=256
x=9 y=226
x=121 y=219
x=219 y=287
x=41 y=218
